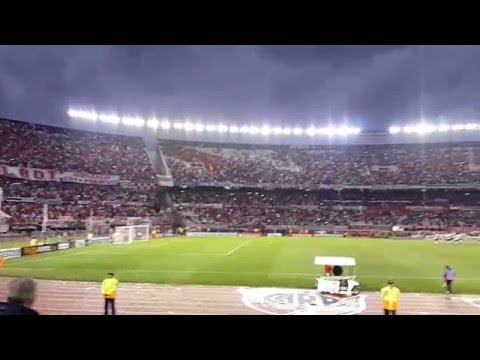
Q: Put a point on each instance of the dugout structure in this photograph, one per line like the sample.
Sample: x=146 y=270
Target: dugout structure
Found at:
x=125 y=235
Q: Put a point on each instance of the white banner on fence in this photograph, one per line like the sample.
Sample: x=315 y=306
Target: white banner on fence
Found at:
x=79 y=243
x=83 y=178
x=29 y=173
x=212 y=234
x=55 y=175
x=10 y=253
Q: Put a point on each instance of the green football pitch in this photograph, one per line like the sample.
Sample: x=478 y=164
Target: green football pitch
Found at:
x=415 y=265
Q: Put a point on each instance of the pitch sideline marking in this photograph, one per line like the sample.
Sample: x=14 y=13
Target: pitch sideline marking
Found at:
x=230 y=272
x=224 y=254
x=87 y=251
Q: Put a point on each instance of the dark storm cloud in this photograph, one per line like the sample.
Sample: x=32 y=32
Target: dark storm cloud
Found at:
x=373 y=85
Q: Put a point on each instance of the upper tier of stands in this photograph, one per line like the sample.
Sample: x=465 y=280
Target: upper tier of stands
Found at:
x=412 y=164
x=43 y=147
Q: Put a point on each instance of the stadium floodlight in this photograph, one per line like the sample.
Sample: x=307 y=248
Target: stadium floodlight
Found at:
x=210 y=128
x=200 y=127
x=355 y=131
x=165 y=124
x=331 y=131
x=80 y=114
x=222 y=128
x=458 y=127
x=178 y=125
x=135 y=121
x=422 y=129
x=408 y=129
x=278 y=131
x=109 y=118
x=394 y=129
x=254 y=130
x=244 y=130
x=443 y=128
x=265 y=130
x=344 y=131
x=233 y=129
x=471 y=126
x=152 y=123
x=188 y=126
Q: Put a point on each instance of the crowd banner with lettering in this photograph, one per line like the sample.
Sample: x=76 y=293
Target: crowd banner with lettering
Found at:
x=84 y=178
x=29 y=173
x=55 y=175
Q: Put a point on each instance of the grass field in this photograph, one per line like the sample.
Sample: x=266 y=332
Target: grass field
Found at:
x=415 y=265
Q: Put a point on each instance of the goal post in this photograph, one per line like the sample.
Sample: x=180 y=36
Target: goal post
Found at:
x=129 y=234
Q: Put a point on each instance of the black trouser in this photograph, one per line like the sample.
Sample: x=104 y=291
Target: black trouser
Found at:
x=110 y=302
x=390 y=312
x=449 y=285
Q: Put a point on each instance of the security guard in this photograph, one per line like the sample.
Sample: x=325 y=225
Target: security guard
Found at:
x=390 y=295
x=109 y=292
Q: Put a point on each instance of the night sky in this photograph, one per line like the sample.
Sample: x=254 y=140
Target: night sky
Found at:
x=369 y=86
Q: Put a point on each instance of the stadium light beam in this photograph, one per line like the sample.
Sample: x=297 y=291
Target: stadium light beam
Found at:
x=165 y=124
x=222 y=128
x=278 y=131
x=80 y=114
x=210 y=128
x=109 y=118
x=153 y=123
x=133 y=121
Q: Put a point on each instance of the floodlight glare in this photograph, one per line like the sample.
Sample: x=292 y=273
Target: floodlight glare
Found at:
x=79 y=114
x=152 y=123
x=210 y=128
x=278 y=131
x=222 y=128
x=394 y=129
x=165 y=124
x=109 y=118
x=254 y=130
x=265 y=130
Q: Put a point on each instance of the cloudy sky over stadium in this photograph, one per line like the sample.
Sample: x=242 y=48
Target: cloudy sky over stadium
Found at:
x=373 y=86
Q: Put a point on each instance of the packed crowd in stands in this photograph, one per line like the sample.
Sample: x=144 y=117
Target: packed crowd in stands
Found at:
x=43 y=190
x=36 y=146
x=261 y=208
x=43 y=147
x=348 y=165
x=32 y=214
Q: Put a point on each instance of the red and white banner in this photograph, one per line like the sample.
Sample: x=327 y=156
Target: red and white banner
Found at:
x=55 y=175
x=29 y=173
x=84 y=178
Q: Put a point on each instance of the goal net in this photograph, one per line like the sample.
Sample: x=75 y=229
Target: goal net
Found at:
x=129 y=234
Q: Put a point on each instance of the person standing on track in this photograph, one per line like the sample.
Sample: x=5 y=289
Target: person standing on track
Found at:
x=448 y=277
x=109 y=292
x=390 y=295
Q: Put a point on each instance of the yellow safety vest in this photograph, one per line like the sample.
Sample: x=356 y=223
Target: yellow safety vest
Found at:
x=109 y=288
x=390 y=296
